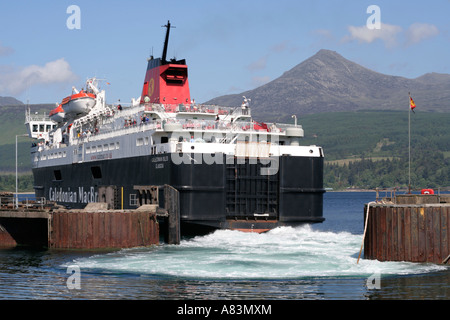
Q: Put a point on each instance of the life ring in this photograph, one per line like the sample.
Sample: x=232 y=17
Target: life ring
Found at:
x=427 y=191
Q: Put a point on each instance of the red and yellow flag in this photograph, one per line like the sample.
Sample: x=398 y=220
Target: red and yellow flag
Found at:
x=412 y=104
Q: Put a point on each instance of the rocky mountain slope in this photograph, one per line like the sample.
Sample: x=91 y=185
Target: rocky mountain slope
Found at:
x=327 y=82
x=9 y=101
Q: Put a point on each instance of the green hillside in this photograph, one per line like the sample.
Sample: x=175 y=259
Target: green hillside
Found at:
x=375 y=133
x=12 y=119
x=374 y=145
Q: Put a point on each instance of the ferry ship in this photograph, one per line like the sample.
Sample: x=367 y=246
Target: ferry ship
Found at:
x=231 y=172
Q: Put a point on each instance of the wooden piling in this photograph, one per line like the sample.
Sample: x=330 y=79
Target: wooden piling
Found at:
x=171 y=203
x=168 y=208
x=408 y=230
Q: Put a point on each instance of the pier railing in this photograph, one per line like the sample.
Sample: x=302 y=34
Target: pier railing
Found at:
x=192 y=108
x=13 y=202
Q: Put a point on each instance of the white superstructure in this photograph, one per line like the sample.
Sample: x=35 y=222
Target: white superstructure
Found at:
x=119 y=131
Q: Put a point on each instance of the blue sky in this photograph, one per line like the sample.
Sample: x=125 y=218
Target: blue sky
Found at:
x=230 y=46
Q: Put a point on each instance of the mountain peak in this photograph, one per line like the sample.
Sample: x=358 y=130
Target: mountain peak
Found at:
x=327 y=55
x=326 y=66
x=327 y=52
x=328 y=82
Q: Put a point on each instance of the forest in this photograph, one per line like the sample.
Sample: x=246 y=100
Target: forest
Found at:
x=429 y=169
x=8 y=182
x=368 y=149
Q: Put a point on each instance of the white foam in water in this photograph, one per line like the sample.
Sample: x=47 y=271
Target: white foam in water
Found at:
x=282 y=253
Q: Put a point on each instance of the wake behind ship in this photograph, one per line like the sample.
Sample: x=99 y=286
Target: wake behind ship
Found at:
x=230 y=171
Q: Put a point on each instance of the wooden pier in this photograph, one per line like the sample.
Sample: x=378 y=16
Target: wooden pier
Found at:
x=94 y=227
x=413 y=228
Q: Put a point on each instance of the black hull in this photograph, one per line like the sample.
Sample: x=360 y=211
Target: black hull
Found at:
x=229 y=195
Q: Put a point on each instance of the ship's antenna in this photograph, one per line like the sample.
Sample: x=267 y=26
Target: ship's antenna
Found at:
x=166 y=42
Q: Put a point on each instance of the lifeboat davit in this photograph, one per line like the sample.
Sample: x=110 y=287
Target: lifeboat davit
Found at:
x=58 y=114
x=78 y=103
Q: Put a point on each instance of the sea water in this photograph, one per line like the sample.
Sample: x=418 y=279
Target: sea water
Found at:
x=309 y=262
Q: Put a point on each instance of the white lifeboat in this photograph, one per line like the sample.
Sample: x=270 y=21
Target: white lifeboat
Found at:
x=58 y=114
x=78 y=103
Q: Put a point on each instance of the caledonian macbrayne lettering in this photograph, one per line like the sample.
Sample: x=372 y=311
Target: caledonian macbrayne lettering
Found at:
x=69 y=196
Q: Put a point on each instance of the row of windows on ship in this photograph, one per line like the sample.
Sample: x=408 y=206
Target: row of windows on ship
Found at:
x=43 y=127
x=95 y=148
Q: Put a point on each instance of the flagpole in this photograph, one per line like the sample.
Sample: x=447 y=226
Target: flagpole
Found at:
x=409 y=144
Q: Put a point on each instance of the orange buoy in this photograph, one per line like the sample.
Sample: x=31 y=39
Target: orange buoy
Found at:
x=427 y=191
